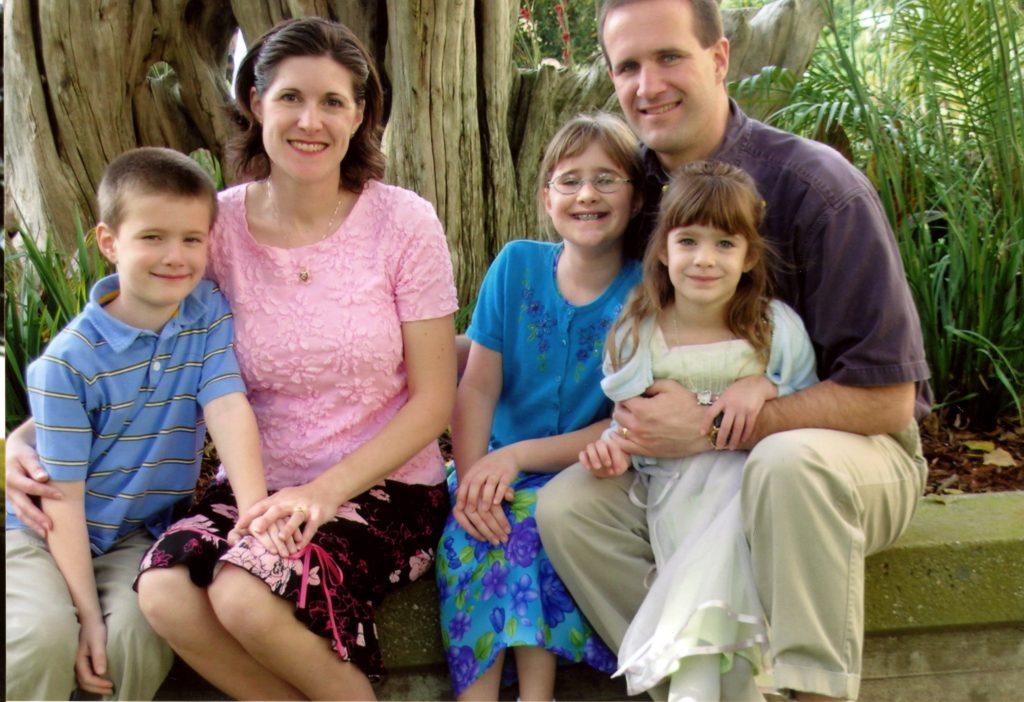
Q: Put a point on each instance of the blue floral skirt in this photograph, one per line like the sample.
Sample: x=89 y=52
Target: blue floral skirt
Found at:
x=493 y=598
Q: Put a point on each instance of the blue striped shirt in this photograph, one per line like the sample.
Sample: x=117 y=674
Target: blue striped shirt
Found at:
x=119 y=408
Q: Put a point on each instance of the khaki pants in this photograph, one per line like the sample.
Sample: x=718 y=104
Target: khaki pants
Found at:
x=42 y=626
x=815 y=503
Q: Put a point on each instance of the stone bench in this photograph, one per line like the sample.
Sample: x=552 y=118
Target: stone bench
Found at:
x=944 y=611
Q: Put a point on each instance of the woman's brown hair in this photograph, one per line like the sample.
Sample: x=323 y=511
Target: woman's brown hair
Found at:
x=712 y=194
x=309 y=36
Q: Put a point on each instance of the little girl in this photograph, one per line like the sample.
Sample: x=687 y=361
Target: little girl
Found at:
x=701 y=317
x=528 y=402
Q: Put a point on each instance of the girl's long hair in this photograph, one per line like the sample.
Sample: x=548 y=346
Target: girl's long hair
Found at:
x=712 y=194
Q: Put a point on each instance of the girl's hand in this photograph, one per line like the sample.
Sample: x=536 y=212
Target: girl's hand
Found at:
x=481 y=490
x=281 y=515
x=91 y=658
x=604 y=459
x=739 y=406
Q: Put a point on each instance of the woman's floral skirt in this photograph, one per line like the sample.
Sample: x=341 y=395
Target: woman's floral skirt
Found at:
x=381 y=539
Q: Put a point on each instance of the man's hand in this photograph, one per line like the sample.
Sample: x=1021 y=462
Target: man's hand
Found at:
x=665 y=422
x=25 y=478
x=604 y=459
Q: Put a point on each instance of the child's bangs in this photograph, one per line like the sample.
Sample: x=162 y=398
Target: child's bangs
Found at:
x=728 y=207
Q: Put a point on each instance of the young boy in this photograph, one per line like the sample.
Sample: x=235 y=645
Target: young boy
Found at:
x=116 y=398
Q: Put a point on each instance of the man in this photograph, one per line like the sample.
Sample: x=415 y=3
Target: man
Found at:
x=834 y=470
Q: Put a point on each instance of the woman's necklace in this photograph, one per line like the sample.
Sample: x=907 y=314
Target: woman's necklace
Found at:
x=304 y=274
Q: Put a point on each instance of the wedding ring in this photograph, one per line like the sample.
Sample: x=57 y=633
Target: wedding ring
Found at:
x=624 y=431
x=300 y=508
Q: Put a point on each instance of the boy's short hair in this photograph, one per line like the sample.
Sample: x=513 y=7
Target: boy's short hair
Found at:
x=151 y=170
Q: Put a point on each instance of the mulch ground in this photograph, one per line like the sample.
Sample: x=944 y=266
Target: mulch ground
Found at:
x=961 y=460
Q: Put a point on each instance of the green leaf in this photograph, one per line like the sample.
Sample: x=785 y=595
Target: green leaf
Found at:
x=576 y=637
x=466 y=554
x=482 y=649
x=460 y=600
x=511 y=625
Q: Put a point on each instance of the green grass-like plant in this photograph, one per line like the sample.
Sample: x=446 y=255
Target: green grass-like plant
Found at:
x=43 y=290
x=930 y=104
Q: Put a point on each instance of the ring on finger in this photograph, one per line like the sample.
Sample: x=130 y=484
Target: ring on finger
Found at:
x=624 y=431
x=302 y=510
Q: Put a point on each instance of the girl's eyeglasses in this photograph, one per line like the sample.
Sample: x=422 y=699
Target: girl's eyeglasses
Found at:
x=604 y=183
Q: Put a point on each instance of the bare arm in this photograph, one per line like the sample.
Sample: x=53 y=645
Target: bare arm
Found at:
x=232 y=427
x=484 y=478
x=475 y=400
x=68 y=541
x=430 y=367
x=883 y=409
x=668 y=422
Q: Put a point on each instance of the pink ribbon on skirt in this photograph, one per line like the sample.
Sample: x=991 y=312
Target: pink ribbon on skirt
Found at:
x=330 y=572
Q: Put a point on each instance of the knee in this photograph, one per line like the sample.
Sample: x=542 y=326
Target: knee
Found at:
x=233 y=595
x=787 y=474
x=785 y=459
x=557 y=515
x=160 y=592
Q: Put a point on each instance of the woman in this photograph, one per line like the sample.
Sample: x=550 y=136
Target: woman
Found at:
x=342 y=293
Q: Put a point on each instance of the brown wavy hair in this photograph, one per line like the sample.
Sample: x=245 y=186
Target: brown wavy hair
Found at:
x=309 y=36
x=618 y=141
x=712 y=194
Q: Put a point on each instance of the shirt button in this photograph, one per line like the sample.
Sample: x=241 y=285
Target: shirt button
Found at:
x=156 y=365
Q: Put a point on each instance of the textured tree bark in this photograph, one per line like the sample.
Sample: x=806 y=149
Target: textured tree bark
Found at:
x=466 y=129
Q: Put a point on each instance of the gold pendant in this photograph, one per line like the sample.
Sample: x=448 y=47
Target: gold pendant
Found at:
x=304 y=275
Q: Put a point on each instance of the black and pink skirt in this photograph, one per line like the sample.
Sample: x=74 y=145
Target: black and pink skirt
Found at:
x=380 y=540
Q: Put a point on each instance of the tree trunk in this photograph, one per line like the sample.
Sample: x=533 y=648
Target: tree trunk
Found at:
x=466 y=128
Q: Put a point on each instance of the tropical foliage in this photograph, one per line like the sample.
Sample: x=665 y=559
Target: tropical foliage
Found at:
x=927 y=97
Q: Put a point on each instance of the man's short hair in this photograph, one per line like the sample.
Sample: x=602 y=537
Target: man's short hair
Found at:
x=151 y=170
x=707 y=21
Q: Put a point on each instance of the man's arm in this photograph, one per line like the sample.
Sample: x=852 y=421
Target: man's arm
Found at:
x=667 y=423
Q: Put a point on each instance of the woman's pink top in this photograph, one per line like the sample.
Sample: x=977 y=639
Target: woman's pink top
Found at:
x=317 y=328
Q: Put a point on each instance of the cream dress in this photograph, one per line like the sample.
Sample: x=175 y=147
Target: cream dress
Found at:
x=702 y=609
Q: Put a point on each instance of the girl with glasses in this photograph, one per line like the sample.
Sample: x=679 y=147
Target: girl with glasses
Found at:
x=529 y=401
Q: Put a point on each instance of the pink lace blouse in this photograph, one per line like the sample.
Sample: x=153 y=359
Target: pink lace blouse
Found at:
x=317 y=328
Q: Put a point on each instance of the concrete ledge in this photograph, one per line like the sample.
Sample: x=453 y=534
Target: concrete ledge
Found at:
x=960 y=563
x=944 y=611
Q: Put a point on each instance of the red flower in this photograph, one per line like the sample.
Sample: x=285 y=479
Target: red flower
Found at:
x=524 y=12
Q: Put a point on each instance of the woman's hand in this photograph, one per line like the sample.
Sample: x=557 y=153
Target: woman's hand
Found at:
x=281 y=515
x=739 y=406
x=604 y=459
x=26 y=478
x=272 y=538
x=481 y=490
x=91 y=658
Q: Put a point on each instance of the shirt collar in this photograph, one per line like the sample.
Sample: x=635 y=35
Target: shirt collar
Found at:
x=120 y=335
x=734 y=130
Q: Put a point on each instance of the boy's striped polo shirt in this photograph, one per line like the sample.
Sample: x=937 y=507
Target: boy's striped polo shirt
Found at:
x=119 y=407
